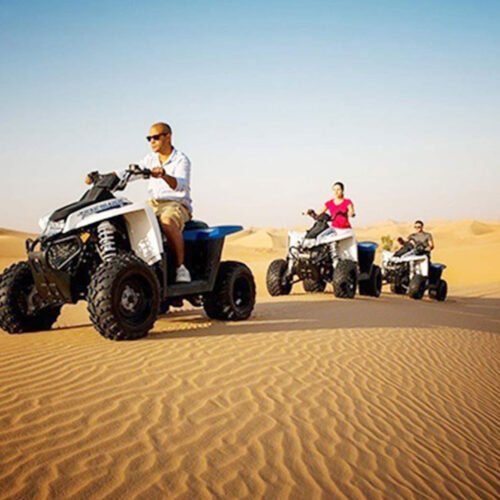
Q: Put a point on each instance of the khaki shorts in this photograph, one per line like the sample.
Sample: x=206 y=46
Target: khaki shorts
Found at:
x=172 y=210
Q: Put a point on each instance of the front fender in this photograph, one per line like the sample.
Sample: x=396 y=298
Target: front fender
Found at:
x=142 y=227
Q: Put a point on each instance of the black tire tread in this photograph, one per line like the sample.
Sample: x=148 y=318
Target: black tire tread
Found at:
x=416 y=289
x=99 y=304
x=274 y=277
x=218 y=303
x=344 y=272
x=372 y=286
x=442 y=291
x=14 y=280
x=313 y=286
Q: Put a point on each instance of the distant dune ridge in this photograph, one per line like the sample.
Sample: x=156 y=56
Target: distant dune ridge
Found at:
x=313 y=396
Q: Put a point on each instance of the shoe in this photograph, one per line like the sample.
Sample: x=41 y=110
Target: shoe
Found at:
x=182 y=275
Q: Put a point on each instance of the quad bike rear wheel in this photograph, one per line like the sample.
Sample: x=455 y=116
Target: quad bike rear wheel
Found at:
x=373 y=285
x=417 y=286
x=21 y=308
x=440 y=291
x=276 y=281
x=345 y=278
x=400 y=284
x=314 y=286
x=123 y=298
x=233 y=296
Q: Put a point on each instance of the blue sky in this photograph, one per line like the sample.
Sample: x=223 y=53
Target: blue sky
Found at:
x=272 y=101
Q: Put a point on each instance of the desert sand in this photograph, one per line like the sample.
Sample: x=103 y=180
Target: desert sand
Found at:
x=312 y=397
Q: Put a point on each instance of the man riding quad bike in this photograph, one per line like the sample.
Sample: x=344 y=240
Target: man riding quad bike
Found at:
x=111 y=252
x=409 y=270
x=322 y=255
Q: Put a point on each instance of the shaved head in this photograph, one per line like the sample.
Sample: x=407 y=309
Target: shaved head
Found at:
x=161 y=128
x=160 y=138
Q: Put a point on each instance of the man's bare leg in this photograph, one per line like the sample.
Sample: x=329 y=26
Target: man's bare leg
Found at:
x=174 y=237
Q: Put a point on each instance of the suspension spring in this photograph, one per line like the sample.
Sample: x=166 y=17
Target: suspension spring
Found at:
x=107 y=244
x=333 y=252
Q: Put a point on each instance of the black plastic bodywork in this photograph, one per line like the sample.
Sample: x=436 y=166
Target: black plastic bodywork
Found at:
x=100 y=191
x=312 y=263
x=202 y=258
x=366 y=260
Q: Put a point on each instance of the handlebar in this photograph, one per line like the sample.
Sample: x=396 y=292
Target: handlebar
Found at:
x=134 y=169
x=115 y=182
x=323 y=217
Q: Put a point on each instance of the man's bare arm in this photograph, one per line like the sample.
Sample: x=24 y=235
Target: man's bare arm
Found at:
x=159 y=173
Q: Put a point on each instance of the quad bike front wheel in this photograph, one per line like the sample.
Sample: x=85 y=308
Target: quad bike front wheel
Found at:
x=440 y=291
x=417 y=287
x=400 y=284
x=314 y=286
x=373 y=285
x=345 y=279
x=233 y=296
x=123 y=298
x=21 y=308
x=276 y=281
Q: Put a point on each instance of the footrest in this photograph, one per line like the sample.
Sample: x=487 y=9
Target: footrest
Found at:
x=184 y=289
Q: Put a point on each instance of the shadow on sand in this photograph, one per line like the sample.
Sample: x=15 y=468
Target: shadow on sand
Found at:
x=323 y=312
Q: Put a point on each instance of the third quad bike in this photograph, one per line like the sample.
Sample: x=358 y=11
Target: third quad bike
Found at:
x=111 y=252
x=326 y=255
x=410 y=271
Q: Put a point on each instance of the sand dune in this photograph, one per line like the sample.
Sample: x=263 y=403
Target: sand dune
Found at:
x=373 y=398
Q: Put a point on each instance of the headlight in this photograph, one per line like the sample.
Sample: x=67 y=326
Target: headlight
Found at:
x=53 y=228
x=43 y=222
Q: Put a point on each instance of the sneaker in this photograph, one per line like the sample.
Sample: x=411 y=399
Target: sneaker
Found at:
x=182 y=275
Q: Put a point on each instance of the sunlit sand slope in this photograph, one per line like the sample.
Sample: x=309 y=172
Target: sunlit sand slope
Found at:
x=312 y=397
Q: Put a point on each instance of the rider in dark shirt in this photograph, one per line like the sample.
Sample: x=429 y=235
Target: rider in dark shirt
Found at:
x=420 y=237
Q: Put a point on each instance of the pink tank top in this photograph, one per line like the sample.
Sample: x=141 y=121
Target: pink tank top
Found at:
x=339 y=221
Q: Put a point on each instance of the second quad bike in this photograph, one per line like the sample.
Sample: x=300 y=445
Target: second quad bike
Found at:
x=112 y=253
x=410 y=271
x=324 y=255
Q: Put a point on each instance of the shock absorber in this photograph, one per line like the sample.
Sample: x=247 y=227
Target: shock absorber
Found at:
x=107 y=244
x=333 y=252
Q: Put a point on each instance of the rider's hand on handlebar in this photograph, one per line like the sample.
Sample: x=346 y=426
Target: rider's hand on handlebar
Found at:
x=91 y=177
x=157 y=172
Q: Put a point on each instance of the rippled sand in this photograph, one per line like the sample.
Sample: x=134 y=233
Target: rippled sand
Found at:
x=313 y=397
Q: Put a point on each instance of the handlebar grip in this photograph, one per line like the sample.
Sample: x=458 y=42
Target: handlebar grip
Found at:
x=93 y=176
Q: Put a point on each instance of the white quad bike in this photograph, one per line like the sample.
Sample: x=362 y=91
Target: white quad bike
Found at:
x=111 y=252
x=410 y=271
x=326 y=255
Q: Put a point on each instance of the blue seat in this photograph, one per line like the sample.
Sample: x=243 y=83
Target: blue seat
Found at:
x=437 y=266
x=195 y=224
x=210 y=233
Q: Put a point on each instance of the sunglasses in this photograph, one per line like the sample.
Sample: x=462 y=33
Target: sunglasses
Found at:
x=155 y=137
x=418 y=227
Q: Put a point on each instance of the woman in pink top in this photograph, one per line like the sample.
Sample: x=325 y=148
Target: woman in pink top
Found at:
x=339 y=208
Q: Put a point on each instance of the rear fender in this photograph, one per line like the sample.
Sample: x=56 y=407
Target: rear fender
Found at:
x=366 y=255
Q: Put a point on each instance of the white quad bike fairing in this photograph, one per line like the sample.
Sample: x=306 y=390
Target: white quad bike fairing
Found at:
x=419 y=264
x=143 y=228
x=343 y=240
